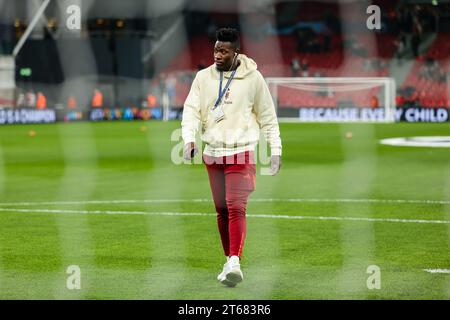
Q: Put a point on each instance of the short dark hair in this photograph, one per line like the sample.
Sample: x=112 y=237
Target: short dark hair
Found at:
x=228 y=35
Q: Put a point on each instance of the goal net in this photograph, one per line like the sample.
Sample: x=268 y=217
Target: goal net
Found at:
x=339 y=99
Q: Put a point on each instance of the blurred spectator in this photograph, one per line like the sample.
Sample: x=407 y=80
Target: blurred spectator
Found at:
x=356 y=48
x=41 y=102
x=374 y=64
x=426 y=68
x=400 y=44
x=409 y=91
x=424 y=16
x=97 y=99
x=71 y=102
x=151 y=100
x=171 y=83
x=400 y=100
x=374 y=102
x=431 y=70
x=441 y=76
x=30 y=99
x=416 y=37
x=295 y=67
x=162 y=82
x=367 y=64
x=305 y=66
x=21 y=99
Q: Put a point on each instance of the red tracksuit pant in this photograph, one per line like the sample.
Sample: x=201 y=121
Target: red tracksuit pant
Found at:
x=232 y=180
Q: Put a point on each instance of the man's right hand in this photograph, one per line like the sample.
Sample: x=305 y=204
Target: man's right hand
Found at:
x=190 y=150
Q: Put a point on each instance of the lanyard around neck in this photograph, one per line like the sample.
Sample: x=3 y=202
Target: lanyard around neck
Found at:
x=222 y=92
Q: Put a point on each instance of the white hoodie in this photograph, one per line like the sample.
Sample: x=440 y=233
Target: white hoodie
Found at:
x=248 y=108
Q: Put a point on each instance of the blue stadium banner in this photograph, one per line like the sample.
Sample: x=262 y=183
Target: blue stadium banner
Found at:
x=411 y=114
x=415 y=114
x=24 y=115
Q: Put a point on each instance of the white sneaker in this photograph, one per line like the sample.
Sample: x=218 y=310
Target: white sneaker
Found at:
x=233 y=274
x=222 y=274
x=222 y=277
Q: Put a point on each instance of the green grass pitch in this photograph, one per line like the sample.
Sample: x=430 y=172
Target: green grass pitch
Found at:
x=106 y=197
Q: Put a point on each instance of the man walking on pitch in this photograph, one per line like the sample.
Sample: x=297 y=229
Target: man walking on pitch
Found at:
x=231 y=102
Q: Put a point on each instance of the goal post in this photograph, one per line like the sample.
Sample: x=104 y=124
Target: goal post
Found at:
x=334 y=99
x=7 y=81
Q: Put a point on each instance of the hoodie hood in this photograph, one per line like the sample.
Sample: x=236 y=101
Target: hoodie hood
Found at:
x=246 y=67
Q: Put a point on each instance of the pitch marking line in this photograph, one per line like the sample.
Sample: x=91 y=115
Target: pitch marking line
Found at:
x=437 y=270
x=267 y=216
x=397 y=201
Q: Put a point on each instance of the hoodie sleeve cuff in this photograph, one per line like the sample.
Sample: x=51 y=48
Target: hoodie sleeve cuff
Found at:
x=186 y=141
x=275 y=151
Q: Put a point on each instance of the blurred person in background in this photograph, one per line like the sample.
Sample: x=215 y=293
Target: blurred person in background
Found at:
x=30 y=99
x=305 y=66
x=374 y=102
x=171 y=85
x=71 y=102
x=400 y=44
x=151 y=100
x=295 y=66
x=232 y=102
x=416 y=36
x=41 y=102
x=21 y=98
x=97 y=99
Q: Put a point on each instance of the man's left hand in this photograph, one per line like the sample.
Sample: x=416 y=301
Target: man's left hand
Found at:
x=275 y=164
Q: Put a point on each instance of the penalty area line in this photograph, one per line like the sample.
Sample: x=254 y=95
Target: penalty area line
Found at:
x=189 y=214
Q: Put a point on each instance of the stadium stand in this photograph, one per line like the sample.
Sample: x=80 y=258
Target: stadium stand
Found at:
x=363 y=55
x=428 y=76
x=310 y=32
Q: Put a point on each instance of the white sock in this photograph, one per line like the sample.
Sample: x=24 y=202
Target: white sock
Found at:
x=234 y=260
